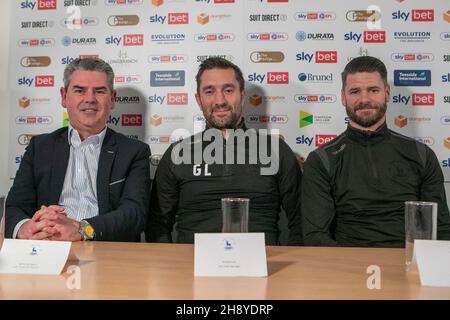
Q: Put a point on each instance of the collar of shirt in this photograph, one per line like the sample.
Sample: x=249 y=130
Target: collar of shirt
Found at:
x=75 y=140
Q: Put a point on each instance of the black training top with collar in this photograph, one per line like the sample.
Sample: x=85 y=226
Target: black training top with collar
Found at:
x=355 y=186
x=190 y=194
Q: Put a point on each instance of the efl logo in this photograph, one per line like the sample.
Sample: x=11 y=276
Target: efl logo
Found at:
x=375 y=36
x=179 y=18
x=46 y=4
x=324 y=138
x=423 y=15
x=326 y=56
x=412 y=57
x=176 y=99
x=132 y=120
x=423 y=99
x=277 y=77
x=133 y=39
x=44 y=81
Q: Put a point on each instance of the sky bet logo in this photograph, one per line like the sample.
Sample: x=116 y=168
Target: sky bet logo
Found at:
x=416 y=15
x=173 y=99
x=172 y=18
x=446 y=163
x=320 y=56
x=320 y=139
x=446 y=77
x=128 y=40
x=369 y=36
x=272 y=77
x=42 y=5
x=39 y=81
x=418 y=99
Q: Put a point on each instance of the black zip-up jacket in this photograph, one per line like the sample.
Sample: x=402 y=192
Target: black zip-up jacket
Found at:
x=355 y=186
x=189 y=195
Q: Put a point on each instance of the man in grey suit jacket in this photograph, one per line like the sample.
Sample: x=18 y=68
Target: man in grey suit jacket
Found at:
x=84 y=182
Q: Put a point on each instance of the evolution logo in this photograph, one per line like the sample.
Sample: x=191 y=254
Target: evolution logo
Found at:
x=267 y=36
x=315 y=16
x=41 y=5
x=167 y=38
x=320 y=56
x=416 y=15
x=39 y=81
x=271 y=77
x=369 y=36
x=171 y=18
x=412 y=57
x=418 y=99
x=412 y=36
x=128 y=40
x=315 y=98
x=412 y=78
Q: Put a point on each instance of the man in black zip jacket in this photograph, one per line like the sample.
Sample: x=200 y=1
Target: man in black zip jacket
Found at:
x=354 y=187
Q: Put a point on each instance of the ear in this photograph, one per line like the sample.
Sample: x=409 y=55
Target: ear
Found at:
x=63 y=93
x=343 y=99
x=113 y=99
x=199 y=101
x=388 y=93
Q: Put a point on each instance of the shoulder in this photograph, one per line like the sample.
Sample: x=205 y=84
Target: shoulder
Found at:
x=48 y=138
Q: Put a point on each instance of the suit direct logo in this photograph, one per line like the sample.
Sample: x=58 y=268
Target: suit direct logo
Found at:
x=38 y=24
x=266 y=56
x=416 y=15
x=315 y=16
x=80 y=3
x=267 y=17
x=306 y=119
x=38 y=61
x=123 y=20
x=412 y=78
x=412 y=57
x=167 y=78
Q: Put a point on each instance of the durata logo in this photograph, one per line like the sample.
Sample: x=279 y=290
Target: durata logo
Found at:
x=363 y=15
x=207 y=37
x=67 y=41
x=412 y=57
x=267 y=36
x=315 y=98
x=42 y=4
x=42 y=42
x=127 y=99
x=324 y=138
x=133 y=120
x=302 y=36
x=266 y=56
x=39 y=61
x=123 y=20
x=168 y=58
x=423 y=99
x=417 y=15
x=315 y=16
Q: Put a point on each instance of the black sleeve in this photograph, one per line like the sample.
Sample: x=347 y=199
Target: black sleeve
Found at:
x=21 y=202
x=165 y=197
x=432 y=189
x=289 y=185
x=318 y=208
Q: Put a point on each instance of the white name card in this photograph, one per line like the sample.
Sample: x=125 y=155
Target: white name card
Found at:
x=34 y=256
x=230 y=255
x=433 y=262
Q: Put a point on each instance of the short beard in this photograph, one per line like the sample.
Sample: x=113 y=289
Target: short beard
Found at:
x=231 y=123
x=367 y=122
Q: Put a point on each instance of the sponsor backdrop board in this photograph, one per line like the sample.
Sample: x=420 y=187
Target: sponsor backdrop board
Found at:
x=291 y=52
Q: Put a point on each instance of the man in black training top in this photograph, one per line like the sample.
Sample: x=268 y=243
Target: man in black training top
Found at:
x=355 y=186
x=225 y=160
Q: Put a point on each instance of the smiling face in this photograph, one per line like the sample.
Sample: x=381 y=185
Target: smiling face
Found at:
x=365 y=98
x=88 y=101
x=220 y=98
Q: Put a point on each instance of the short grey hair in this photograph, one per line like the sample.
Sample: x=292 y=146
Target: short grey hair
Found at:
x=89 y=64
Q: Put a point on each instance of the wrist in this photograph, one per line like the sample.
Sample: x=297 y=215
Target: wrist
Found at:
x=85 y=230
